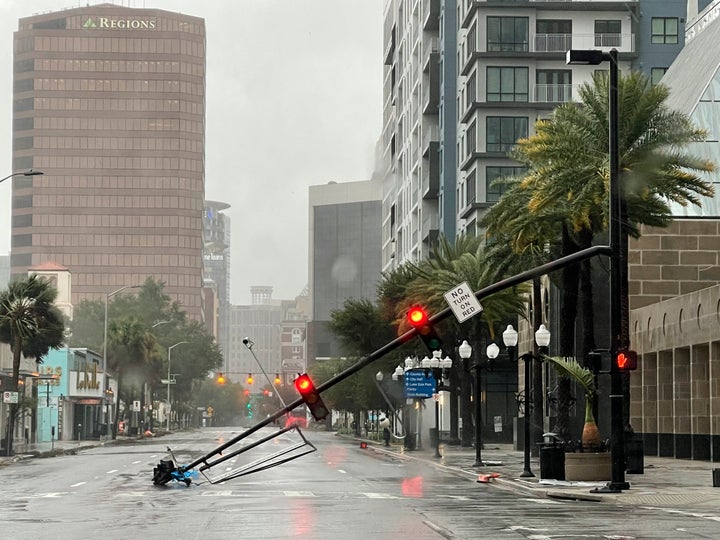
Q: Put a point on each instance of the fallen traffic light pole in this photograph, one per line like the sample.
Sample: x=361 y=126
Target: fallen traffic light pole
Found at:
x=167 y=470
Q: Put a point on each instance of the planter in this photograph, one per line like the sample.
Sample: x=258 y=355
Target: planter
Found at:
x=588 y=466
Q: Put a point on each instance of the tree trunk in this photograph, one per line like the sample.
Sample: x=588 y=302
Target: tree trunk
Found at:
x=568 y=316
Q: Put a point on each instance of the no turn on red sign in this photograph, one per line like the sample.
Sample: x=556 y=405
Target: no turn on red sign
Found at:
x=463 y=302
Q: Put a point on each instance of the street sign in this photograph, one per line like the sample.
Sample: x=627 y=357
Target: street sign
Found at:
x=167 y=381
x=417 y=385
x=136 y=406
x=10 y=397
x=463 y=302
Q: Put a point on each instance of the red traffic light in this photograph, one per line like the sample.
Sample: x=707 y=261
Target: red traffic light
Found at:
x=626 y=360
x=311 y=396
x=418 y=317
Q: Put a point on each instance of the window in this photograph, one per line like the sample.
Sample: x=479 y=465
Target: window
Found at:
x=494 y=192
x=507 y=84
x=656 y=74
x=470 y=188
x=471 y=41
x=504 y=131
x=470 y=139
x=507 y=34
x=607 y=33
x=664 y=30
x=553 y=35
x=553 y=85
x=471 y=89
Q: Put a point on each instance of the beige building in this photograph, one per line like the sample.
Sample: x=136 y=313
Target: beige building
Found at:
x=109 y=102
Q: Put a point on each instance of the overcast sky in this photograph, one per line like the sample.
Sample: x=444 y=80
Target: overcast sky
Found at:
x=294 y=99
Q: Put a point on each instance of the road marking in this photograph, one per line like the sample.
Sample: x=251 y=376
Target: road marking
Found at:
x=112 y=471
x=49 y=495
x=136 y=462
x=341 y=471
x=78 y=484
x=299 y=494
x=132 y=494
x=380 y=496
x=219 y=493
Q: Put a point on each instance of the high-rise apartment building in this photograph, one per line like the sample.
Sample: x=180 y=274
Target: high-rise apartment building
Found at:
x=464 y=79
x=109 y=102
x=216 y=258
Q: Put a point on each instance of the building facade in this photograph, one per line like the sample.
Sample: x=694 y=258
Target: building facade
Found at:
x=109 y=103
x=344 y=255
x=216 y=264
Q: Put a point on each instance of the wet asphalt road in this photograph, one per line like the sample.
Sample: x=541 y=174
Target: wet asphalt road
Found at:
x=340 y=491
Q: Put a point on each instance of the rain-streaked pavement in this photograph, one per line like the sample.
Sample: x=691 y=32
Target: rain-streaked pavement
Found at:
x=341 y=491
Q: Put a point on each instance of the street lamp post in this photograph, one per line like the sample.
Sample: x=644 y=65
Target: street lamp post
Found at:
x=618 y=264
x=23 y=173
x=465 y=351
x=437 y=365
x=170 y=348
x=109 y=421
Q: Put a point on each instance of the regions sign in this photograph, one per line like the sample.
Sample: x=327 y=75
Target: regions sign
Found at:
x=418 y=385
x=134 y=24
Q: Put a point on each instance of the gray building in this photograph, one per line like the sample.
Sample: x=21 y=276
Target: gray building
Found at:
x=344 y=255
x=216 y=265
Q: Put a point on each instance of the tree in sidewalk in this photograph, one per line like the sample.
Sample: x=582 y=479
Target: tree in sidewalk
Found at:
x=566 y=188
x=32 y=325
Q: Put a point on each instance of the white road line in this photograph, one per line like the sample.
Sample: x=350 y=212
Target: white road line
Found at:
x=78 y=484
x=341 y=471
x=111 y=471
x=219 y=493
x=299 y=494
x=380 y=496
x=136 y=462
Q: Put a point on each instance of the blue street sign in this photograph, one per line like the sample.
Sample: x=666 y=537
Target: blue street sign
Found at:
x=417 y=385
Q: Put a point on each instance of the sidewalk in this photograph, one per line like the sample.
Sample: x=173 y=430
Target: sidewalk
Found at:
x=666 y=482
x=58 y=448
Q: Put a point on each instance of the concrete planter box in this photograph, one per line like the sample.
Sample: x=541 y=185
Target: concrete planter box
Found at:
x=588 y=466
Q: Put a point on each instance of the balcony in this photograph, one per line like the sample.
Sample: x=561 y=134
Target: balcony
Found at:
x=431 y=134
x=431 y=14
x=552 y=93
x=431 y=86
x=430 y=228
x=431 y=172
x=553 y=42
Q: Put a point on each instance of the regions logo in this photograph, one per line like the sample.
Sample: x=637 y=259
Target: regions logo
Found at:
x=133 y=24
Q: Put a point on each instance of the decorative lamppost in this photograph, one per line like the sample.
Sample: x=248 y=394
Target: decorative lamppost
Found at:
x=465 y=351
x=437 y=365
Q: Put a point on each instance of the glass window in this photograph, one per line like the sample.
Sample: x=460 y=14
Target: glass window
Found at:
x=656 y=74
x=494 y=192
x=507 y=84
x=665 y=30
x=470 y=139
x=507 y=34
x=470 y=188
x=471 y=89
x=607 y=33
x=504 y=131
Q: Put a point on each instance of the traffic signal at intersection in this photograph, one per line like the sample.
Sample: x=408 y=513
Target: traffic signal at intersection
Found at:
x=626 y=360
x=418 y=318
x=311 y=396
x=220 y=378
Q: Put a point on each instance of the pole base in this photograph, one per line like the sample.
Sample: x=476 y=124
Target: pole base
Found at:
x=479 y=464
x=612 y=487
x=527 y=473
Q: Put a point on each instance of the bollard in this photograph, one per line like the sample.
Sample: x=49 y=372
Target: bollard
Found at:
x=716 y=477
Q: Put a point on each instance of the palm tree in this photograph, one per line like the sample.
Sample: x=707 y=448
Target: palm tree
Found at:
x=568 y=180
x=449 y=265
x=32 y=325
x=130 y=347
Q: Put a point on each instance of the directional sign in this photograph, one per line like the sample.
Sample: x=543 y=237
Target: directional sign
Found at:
x=167 y=381
x=10 y=397
x=463 y=302
x=417 y=385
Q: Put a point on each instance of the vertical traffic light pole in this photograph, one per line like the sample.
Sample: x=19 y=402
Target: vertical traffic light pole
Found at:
x=617 y=442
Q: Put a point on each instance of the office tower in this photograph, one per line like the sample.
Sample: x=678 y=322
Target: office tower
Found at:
x=109 y=102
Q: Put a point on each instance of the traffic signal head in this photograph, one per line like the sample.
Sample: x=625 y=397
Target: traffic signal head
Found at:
x=220 y=378
x=625 y=359
x=311 y=396
x=277 y=380
x=250 y=378
x=418 y=318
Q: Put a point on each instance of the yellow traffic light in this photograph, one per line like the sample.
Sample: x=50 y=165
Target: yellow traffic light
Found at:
x=220 y=378
x=277 y=380
x=250 y=378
